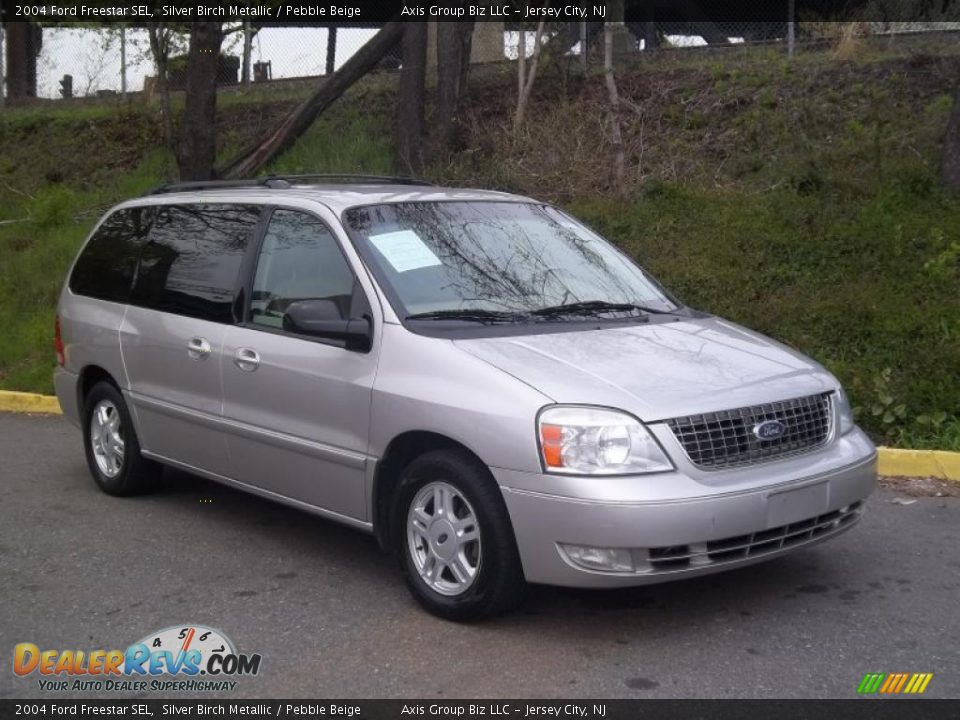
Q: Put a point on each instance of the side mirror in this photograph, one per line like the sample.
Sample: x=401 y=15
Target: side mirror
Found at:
x=321 y=318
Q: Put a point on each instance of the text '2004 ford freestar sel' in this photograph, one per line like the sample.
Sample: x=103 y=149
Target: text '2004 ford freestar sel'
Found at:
x=498 y=393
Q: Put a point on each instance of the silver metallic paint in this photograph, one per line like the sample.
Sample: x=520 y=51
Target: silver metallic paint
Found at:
x=307 y=426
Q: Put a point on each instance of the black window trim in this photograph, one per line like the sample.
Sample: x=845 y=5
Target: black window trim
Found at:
x=249 y=273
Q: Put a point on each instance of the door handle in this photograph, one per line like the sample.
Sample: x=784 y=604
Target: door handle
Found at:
x=198 y=348
x=247 y=359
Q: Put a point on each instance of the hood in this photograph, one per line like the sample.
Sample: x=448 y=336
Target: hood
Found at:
x=658 y=370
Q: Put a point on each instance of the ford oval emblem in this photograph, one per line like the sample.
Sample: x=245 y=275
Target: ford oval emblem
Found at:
x=769 y=430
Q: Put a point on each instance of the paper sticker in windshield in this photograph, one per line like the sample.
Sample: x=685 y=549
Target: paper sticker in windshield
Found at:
x=404 y=250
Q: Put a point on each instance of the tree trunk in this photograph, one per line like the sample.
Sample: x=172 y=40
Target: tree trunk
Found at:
x=616 y=135
x=331 y=65
x=526 y=83
x=160 y=49
x=410 y=101
x=332 y=87
x=198 y=135
x=453 y=63
x=950 y=169
x=651 y=40
x=521 y=61
x=247 y=52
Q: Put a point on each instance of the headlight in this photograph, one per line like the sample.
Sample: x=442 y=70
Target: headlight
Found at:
x=844 y=412
x=595 y=441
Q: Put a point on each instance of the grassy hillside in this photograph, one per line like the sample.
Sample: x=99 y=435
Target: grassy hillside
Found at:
x=800 y=199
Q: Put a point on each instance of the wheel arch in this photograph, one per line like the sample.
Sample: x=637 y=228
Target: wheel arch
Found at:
x=400 y=452
x=87 y=378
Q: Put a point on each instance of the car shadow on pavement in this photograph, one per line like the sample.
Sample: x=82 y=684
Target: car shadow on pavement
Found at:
x=735 y=594
x=268 y=523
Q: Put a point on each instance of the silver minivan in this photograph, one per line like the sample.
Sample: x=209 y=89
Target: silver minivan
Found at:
x=497 y=393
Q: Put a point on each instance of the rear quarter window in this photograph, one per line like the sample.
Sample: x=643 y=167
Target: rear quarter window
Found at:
x=191 y=262
x=108 y=262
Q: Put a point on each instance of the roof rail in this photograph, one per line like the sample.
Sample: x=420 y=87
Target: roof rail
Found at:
x=268 y=182
x=351 y=178
x=279 y=182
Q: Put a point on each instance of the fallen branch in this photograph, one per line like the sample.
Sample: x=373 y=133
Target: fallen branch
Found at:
x=249 y=162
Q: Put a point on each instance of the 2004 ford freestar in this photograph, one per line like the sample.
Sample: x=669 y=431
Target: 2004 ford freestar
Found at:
x=496 y=392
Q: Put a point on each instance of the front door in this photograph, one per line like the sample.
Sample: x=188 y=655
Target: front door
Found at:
x=299 y=407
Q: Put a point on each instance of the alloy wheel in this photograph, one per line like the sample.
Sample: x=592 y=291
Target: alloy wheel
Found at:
x=106 y=438
x=443 y=538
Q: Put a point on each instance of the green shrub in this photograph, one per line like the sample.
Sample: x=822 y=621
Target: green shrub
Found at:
x=52 y=206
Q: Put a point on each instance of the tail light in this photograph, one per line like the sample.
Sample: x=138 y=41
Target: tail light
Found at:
x=58 y=343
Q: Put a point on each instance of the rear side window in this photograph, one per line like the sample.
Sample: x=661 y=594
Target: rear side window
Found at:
x=106 y=266
x=191 y=262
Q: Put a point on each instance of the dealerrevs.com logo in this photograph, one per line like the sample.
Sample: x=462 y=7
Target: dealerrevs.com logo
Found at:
x=186 y=658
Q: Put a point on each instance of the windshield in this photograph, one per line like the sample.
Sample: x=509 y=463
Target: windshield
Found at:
x=496 y=259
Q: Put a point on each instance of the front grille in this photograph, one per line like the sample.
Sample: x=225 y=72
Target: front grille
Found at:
x=741 y=547
x=724 y=439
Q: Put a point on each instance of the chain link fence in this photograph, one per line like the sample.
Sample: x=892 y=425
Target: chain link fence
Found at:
x=114 y=61
x=110 y=61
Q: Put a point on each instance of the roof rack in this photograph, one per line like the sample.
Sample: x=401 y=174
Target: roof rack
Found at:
x=351 y=178
x=280 y=182
x=268 y=182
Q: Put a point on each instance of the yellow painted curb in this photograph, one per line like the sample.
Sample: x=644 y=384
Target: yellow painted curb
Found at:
x=919 y=463
x=22 y=402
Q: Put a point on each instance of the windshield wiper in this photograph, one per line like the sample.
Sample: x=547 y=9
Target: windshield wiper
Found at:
x=593 y=307
x=468 y=315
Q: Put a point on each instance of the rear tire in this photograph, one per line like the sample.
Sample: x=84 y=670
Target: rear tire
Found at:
x=112 y=448
x=454 y=537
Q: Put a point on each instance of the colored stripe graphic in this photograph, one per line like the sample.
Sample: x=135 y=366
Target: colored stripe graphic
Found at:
x=894 y=683
x=900 y=683
x=871 y=682
x=889 y=682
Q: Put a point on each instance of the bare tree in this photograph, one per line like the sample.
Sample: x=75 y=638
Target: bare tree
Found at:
x=616 y=134
x=198 y=141
x=526 y=79
x=248 y=33
x=161 y=36
x=950 y=167
x=410 y=100
x=95 y=62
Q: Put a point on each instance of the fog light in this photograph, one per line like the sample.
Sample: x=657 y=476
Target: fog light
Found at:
x=605 y=559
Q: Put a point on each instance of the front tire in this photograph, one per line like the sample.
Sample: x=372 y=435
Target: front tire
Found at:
x=456 y=543
x=112 y=448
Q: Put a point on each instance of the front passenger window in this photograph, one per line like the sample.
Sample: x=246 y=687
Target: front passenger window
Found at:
x=299 y=260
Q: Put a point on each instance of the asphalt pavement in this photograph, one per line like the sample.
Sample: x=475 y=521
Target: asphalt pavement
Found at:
x=331 y=617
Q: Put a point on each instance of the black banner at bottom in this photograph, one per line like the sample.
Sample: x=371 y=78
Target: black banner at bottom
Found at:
x=872 y=709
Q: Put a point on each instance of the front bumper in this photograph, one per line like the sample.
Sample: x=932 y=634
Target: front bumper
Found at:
x=714 y=521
